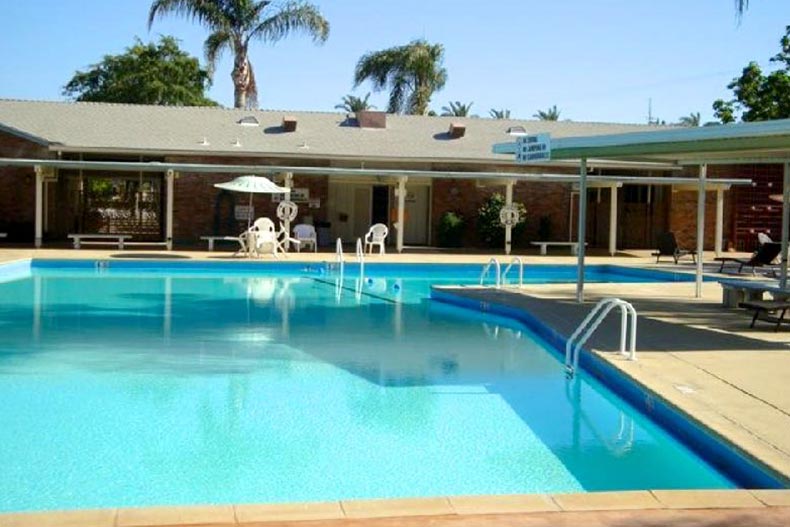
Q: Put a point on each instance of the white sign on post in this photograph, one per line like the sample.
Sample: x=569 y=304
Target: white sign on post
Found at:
x=243 y=212
x=533 y=148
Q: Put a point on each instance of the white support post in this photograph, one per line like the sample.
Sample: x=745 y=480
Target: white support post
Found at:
x=508 y=227
x=785 y=223
x=581 y=231
x=719 y=222
x=401 y=211
x=613 y=220
x=289 y=183
x=39 y=227
x=170 y=177
x=703 y=173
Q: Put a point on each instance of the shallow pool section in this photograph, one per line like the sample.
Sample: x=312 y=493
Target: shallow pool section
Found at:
x=151 y=386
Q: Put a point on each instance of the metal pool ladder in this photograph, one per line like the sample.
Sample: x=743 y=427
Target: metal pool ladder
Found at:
x=360 y=253
x=340 y=268
x=591 y=322
x=487 y=270
x=520 y=262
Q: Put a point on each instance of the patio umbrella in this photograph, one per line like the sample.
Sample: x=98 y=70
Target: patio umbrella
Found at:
x=253 y=185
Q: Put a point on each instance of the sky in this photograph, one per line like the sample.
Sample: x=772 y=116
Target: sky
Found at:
x=597 y=61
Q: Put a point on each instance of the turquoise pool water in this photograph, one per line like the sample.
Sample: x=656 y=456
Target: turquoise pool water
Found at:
x=142 y=386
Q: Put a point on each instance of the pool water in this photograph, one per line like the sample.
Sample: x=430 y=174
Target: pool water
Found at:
x=155 y=387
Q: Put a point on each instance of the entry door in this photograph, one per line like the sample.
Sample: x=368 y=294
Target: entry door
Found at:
x=381 y=204
x=416 y=231
x=361 y=211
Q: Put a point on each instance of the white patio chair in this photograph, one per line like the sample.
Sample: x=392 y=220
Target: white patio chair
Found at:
x=376 y=236
x=264 y=238
x=307 y=236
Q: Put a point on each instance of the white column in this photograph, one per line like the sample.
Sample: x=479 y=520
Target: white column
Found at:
x=703 y=173
x=508 y=204
x=169 y=179
x=581 y=230
x=613 y=220
x=785 y=224
x=401 y=191
x=289 y=183
x=719 y=221
x=39 y=235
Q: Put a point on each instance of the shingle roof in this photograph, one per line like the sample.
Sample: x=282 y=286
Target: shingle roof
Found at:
x=139 y=128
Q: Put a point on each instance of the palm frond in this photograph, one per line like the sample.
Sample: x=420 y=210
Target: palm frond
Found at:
x=208 y=13
x=292 y=17
x=213 y=48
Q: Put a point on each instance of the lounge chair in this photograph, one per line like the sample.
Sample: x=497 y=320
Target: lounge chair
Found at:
x=376 y=236
x=763 y=238
x=764 y=256
x=766 y=307
x=307 y=236
x=668 y=246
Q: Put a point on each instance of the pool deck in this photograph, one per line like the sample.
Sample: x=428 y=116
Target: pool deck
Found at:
x=698 y=355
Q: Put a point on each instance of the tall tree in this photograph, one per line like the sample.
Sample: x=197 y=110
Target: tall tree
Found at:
x=155 y=73
x=499 y=114
x=235 y=23
x=691 y=120
x=412 y=72
x=758 y=96
x=552 y=114
x=457 y=109
x=354 y=104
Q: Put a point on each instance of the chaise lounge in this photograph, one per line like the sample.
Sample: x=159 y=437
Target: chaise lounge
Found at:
x=763 y=256
x=668 y=246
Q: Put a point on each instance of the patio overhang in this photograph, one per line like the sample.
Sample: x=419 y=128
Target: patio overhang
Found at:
x=766 y=142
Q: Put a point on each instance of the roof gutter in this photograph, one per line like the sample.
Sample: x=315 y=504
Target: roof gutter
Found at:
x=158 y=167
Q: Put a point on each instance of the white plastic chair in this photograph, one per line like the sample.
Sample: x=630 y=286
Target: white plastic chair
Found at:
x=306 y=235
x=264 y=237
x=376 y=236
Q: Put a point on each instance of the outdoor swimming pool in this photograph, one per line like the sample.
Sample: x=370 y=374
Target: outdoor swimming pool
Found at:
x=146 y=383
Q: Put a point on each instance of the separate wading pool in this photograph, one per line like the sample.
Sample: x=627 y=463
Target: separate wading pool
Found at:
x=140 y=383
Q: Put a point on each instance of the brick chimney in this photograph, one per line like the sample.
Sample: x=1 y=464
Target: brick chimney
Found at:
x=371 y=119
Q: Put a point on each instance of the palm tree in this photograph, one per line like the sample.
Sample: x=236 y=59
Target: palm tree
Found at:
x=741 y=6
x=691 y=120
x=499 y=114
x=457 y=109
x=412 y=72
x=354 y=104
x=235 y=23
x=552 y=114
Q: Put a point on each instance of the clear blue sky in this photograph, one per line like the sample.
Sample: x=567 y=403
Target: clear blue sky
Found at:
x=596 y=60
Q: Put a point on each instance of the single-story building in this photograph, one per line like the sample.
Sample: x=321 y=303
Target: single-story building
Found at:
x=102 y=176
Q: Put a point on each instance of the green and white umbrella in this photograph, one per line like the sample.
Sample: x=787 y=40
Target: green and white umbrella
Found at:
x=253 y=185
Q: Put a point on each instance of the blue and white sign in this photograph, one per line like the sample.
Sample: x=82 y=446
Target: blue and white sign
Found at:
x=533 y=148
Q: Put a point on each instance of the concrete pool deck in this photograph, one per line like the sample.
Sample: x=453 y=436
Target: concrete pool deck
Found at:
x=695 y=353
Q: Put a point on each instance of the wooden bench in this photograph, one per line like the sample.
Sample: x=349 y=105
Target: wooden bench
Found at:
x=765 y=307
x=212 y=239
x=99 y=239
x=544 y=246
x=736 y=292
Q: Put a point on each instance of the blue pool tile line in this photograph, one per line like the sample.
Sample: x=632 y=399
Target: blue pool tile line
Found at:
x=745 y=470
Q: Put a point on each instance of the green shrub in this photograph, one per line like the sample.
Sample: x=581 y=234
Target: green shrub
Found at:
x=490 y=229
x=450 y=231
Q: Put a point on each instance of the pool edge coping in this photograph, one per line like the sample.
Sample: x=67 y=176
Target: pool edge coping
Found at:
x=250 y=514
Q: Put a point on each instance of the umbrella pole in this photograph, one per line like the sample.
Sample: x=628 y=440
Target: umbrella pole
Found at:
x=249 y=213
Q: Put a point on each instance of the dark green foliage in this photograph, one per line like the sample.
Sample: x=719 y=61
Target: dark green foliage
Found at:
x=155 y=73
x=759 y=96
x=489 y=227
x=450 y=231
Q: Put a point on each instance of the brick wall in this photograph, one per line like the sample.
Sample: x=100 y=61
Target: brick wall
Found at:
x=200 y=209
x=683 y=218
x=465 y=197
x=18 y=188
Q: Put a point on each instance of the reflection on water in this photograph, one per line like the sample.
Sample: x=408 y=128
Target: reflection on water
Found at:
x=157 y=390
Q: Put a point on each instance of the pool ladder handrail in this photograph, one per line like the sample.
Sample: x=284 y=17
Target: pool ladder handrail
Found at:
x=360 y=253
x=513 y=261
x=487 y=269
x=591 y=322
x=339 y=255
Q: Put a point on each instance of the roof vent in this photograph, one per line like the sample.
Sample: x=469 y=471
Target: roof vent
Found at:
x=236 y=143
x=457 y=130
x=371 y=119
x=204 y=142
x=289 y=124
x=248 y=121
x=517 y=130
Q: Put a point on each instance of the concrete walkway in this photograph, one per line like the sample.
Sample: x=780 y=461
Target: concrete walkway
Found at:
x=698 y=355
